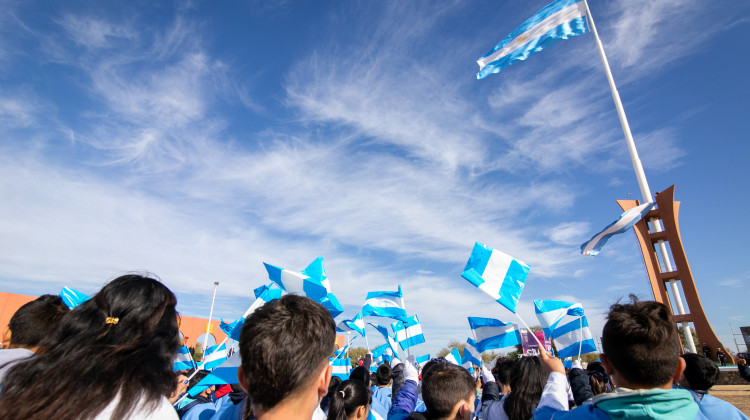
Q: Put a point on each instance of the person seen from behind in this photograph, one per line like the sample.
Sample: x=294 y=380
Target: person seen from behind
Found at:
x=527 y=379
x=699 y=376
x=109 y=358
x=351 y=401
x=641 y=355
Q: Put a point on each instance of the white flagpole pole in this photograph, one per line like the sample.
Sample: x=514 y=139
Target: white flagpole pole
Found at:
x=348 y=342
x=641 y=177
x=210 y=315
x=541 y=346
x=580 y=339
x=367 y=341
x=406 y=331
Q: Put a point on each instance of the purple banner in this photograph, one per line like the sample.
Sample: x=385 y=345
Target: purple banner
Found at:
x=530 y=346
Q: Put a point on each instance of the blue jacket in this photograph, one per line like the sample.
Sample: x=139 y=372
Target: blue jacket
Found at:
x=714 y=408
x=404 y=402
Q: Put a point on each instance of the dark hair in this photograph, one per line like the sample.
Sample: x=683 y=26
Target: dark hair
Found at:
x=197 y=378
x=700 y=372
x=501 y=370
x=361 y=374
x=283 y=345
x=88 y=361
x=35 y=320
x=641 y=341
x=527 y=381
x=598 y=378
x=443 y=386
x=349 y=396
x=332 y=387
x=383 y=375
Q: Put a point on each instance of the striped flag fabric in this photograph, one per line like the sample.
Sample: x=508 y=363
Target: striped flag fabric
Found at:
x=621 y=225
x=356 y=324
x=225 y=374
x=385 y=304
x=550 y=312
x=266 y=295
x=471 y=353
x=214 y=356
x=184 y=359
x=72 y=297
x=408 y=333
x=561 y=19
x=499 y=275
x=572 y=333
x=454 y=357
x=387 y=336
x=422 y=360
x=296 y=282
x=492 y=334
x=341 y=367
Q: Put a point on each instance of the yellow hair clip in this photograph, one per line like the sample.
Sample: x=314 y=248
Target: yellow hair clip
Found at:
x=112 y=320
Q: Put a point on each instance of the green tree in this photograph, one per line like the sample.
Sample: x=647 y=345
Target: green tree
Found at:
x=355 y=353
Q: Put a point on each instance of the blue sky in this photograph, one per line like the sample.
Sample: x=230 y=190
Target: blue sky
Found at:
x=196 y=140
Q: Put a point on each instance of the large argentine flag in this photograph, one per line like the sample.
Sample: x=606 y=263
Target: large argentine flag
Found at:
x=295 y=282
x=183 y=360
x=625 y=222
x=408 y=333
x=215 y=356
x=385 y=304
x=491 y=334
x=454 y=357
x=572 y=333
x=550 y=312
x=471 y=353
x=226 y=374
x=341 y=368
x=355 y=324
x=263 y=295
x=561 y=19
x=499 y=275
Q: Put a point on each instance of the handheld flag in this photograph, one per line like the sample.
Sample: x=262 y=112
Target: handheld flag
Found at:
x=491 y=334
x=387 y=336
x=385 y=304
x=184 y=359
x=332 y=304
x=225 y=374
x=500 y=276
x=454 y=357
x=561 y=19
x=621 y=225
x=550 y=312
x=422 y=360
x=214 y=356
x=295 y=282
x=408 y=333
x=72 y=298
x=355 y=324
x=341 y=367
x=378 y=352
x=471 y=353
x=228 y=327
x=572 y=336
x=266 y=295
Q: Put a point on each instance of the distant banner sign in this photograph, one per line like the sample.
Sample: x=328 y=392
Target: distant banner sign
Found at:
x=530 y=346
x=746 y=335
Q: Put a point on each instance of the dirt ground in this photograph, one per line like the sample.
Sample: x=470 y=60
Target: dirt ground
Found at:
x=737 y=395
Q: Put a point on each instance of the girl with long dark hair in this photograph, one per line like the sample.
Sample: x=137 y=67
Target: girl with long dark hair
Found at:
x=351 y=401
x=110 y=358
x=527 y=381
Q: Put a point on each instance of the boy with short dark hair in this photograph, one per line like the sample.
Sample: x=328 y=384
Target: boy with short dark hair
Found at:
x=700 y=375
x=285 y=346
x=641 y=355
x=448 y=392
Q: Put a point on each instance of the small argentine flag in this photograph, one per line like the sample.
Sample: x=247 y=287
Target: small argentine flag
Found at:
x=296 y=282
x=471 y=353
x=263 y=296
x=422 y=360
x=385 y=304
x=621 y=225
x=499 y=275
x=72 y=298
x=184 y=359
x=573 y=333
x=215 y=356
x=341 y=368
x=355 y=324
x=558 y=20
x=387 y=336
x=492 y=334
x=225 y=374
x=408 y=333
x=550 y=312
x=454 y=357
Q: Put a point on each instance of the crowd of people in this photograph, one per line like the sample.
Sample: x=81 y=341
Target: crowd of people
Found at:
x=112 y=357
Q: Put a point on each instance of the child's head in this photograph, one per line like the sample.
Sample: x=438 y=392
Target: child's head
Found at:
x=383 y=375
x=641 y=343
x=35 y=320
x=350 y=401
x=700 y=372
x=448 y=389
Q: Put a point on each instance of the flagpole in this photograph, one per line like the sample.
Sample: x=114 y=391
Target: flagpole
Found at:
x=210 y=315
x=640 y=176
x=348 y=341
x=541 y=346
x=406 y=331
x=580 y=339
